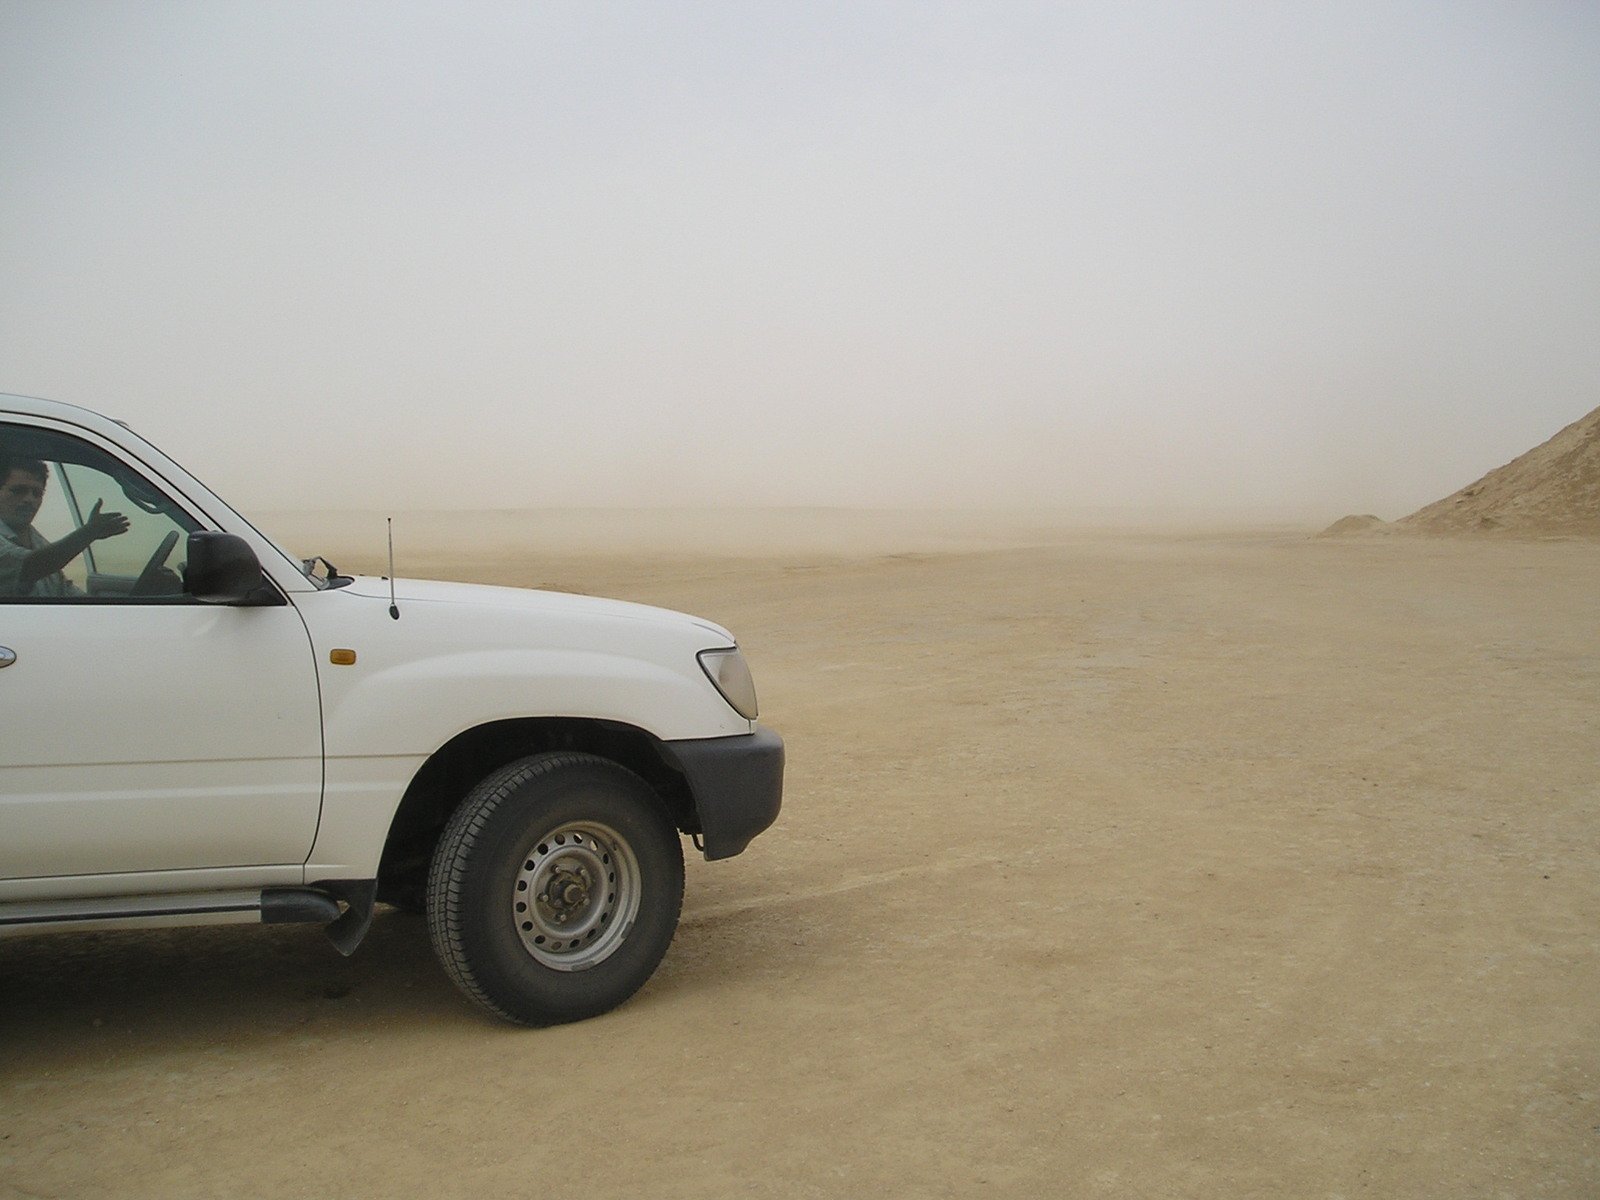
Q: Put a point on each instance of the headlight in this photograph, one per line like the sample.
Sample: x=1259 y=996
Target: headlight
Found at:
x=728 y=670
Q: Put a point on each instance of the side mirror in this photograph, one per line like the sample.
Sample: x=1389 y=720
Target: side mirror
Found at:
x=222 y=569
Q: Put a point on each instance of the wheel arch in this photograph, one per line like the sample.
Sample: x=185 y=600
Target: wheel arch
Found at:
x=444 y=780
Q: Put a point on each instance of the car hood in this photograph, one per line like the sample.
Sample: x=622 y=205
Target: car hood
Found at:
x=528 y=600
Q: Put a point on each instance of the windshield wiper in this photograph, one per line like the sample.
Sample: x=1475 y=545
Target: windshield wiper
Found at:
x=333 y=579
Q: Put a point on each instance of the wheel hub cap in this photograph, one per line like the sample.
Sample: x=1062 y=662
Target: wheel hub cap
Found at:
x=575 y=896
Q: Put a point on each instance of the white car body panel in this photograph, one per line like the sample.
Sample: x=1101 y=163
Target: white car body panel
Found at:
x=113 y=758
x=483 y=654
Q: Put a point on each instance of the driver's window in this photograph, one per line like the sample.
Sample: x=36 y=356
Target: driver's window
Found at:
x=77 y=524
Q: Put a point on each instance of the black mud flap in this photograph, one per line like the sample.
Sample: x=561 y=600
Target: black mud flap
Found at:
x=359 y=897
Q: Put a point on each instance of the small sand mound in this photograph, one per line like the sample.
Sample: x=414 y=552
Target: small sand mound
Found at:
x=1345 y=526
x=1552 y=490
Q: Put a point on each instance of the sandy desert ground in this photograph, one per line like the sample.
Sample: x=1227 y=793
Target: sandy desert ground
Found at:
x=1136 y=864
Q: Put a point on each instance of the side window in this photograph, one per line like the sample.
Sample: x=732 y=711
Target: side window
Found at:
x=77 y=524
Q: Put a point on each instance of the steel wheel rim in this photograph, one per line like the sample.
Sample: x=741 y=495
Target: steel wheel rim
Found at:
x=575 y=895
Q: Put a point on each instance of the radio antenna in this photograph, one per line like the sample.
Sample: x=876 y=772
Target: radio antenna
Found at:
x=394 y=609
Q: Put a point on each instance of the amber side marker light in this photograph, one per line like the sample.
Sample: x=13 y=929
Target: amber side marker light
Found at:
x=342 y=658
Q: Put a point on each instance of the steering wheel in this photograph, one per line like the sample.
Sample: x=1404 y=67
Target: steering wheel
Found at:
x=145 y=585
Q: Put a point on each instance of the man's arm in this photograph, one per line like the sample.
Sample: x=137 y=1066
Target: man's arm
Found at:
x=12 y=556
x=50 y=558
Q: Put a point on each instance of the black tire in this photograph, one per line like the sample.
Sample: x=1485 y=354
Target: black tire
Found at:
x=555 y=889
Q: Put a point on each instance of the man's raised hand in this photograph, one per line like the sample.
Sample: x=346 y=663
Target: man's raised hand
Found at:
x=104 y=524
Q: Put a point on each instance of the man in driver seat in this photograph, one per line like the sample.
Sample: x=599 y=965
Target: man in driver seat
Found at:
x=30 y=565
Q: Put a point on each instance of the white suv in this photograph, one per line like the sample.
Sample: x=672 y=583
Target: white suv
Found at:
x=198 y=728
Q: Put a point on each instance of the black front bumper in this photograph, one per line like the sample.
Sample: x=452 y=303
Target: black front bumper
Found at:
x=737 y=784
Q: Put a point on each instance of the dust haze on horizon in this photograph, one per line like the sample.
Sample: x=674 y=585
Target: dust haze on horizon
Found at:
x=1203 y=257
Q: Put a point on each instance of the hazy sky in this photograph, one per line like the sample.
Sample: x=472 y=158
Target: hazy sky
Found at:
x=1339 y=256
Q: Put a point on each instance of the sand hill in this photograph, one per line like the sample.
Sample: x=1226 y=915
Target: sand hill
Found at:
x=1362 y=523
x=1552 y=490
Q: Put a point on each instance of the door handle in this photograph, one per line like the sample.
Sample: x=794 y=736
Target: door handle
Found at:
x=7 y=656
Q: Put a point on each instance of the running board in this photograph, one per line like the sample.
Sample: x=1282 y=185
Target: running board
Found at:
x=320 y=905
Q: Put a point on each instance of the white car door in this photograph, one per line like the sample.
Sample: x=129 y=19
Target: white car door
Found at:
x=142 y=733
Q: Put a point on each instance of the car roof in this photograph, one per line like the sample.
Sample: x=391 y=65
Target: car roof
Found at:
x=38 y=406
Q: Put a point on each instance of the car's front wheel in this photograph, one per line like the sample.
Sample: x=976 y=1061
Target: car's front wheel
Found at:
x=555 y=889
